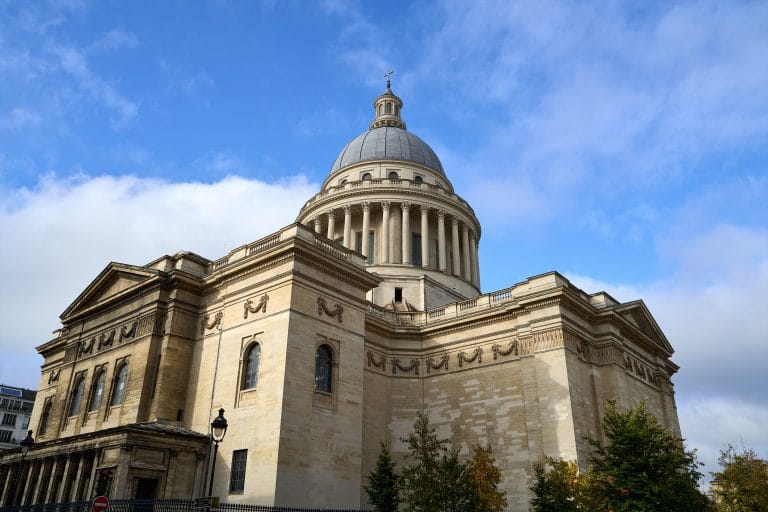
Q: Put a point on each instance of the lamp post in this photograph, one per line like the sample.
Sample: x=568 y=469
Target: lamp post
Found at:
x=218 y=430
x=27 y=443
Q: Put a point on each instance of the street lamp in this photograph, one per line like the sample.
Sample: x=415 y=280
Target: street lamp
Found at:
x=27 y=443
x=218 y=431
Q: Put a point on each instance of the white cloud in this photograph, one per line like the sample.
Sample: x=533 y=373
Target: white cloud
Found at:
x=58 y=236
x=714 y=313
x=18 y=118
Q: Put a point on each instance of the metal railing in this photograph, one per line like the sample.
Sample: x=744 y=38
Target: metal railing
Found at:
x=168 y=505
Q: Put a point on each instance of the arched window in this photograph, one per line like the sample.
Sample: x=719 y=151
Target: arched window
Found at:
x=388 y=108
x=251 y=367
x=380 y=108
x=366 y=177
x=393 y=176
x=118 y=388
x=343 y=182
x=77 y=396
x=96 y=392
x=418 y=179
x=45 y=417
x=323 y=368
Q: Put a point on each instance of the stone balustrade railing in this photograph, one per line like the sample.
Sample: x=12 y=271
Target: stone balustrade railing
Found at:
x=392 y=183
x=295 y=230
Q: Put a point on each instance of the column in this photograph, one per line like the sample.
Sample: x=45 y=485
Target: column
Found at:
x=26 y=478
x=455 y=247
x=331 y=224
x=441 y=241
x=385 y=232
x=60 y=496
x=406 y=233
x=424 y=236
x=465 y=255
x=366 y=227
x=318 y=225
x=473 y=258
x=348 y=226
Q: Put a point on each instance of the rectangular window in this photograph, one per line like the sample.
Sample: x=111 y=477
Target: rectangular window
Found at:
x=416 y=249
x=5 y=436
x=437 y=254
x=237 y=474
x=371 y=246
x=9 y=420
x=359 y=241
x=398 y=295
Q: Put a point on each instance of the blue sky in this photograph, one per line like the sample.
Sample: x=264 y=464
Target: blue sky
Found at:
x=623 y=144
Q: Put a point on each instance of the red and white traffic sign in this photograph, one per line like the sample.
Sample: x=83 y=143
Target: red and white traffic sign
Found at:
x=100 y=504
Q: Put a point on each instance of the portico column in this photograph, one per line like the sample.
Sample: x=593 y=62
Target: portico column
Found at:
x=473 y=258
x=348 y=226
x=331 y=224
x=366 y=227
x=318 y=224
x=406 y=233
x=424 y=236
x=443 y=263
x=455 y=247
x=465 y=256
x=385 y=232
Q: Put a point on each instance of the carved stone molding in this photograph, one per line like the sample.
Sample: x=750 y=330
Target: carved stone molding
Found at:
x=477 y=355
x=381 y=363
x=322 y=307
x=126 y=333
x=261 y=306
x=106 y=341
x=436 y=364
x=54 y=376
x=397 y=365
x=512 y=348
x=216 y=322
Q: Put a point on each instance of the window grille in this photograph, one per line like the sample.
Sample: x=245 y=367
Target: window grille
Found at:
x=237 y=475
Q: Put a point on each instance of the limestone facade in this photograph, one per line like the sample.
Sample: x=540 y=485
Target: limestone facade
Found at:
x=324 y=339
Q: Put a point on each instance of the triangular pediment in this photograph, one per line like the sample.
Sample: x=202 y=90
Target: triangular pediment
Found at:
x=637 y=314
x=116 y=280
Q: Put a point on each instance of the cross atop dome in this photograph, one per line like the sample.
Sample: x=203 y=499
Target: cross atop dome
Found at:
x=387 y=108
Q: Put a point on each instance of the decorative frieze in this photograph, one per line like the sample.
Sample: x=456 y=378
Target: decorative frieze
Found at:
x=322 y=307
x=512 y=348
x=397 y=365
x=261 y=306
x=54 y=375
x=215 y=322
x=477 y=355
x=640 y=370
x=381 y=363
x=436 y=364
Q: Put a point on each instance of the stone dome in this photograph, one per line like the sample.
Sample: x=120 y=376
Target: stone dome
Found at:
x=388 y=143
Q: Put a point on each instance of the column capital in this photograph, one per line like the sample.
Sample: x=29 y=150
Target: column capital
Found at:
x=472 y=236
x=347 y=208
x=465 y=228
x=424 y=209
x=455 y=222
x=440 y=214
x=385 y=205
x=366 y=205
x=405 y=205
x=330 y=213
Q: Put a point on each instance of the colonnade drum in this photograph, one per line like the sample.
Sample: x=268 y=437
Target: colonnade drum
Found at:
x=388 y=198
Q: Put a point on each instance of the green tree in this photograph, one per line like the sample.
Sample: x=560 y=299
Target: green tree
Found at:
x=422 y=484
x=643 y=467
x=457 y=493
x=485 y=477
x=383 y=487
x=742 y=485
x=556 y=486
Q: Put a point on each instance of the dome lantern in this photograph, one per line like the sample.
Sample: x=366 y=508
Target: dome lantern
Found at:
x=387 y=109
